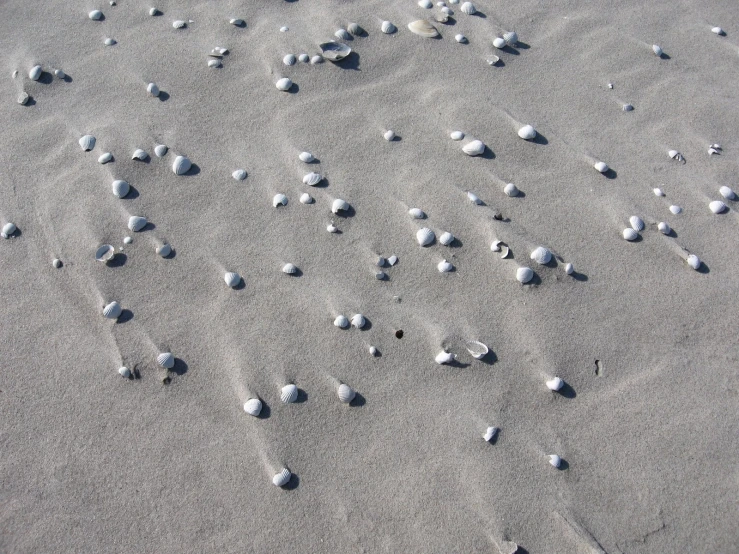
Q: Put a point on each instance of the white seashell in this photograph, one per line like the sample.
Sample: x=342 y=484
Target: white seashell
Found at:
x=306 y=157
x=278 y=200
x=164 y=250
x=181 y=165
x=454 y=1
x=713 y=150
x=425 y=236
x=423 y=28
x=289 y=269
x=120 y=188
x=524 y=275
x=153 y=12
x=495 y=246
x=373 y=350
x=355 y=29
x=658 y=192
x=674 y=154
x=504 y=251
x=627 y=108
x=312 y=179
x=284 y=84
x=342 y=34
x=284 y=29
x=289 y=60
x=555 y=460
x=510 y=190
x=490 y=433
x=56 y=262
x=282 y=478
x=727 y=193
x=675 y=209
x=717 y=206
x=499 y=42
x=304 y=58
x=316 y=59
x=239 y=174
x=460 y=39
x=215 y=64
x=718 y=30
x=112 y=310
x=636 y=223
x=346 y=393
x=416 y=213
x=555 y=384
x=392 y=260
x=179 y=24
x=358 y=321
x=445 y=357
x=232 y=279
x=446 y=238
x=468 y=8
x=474 y=148
x=426 y=4
x=335 y=51
x=569 y=269
x=127 y=240
x=87 y=142
x=140 y=155
x=136 y=223
x=527 y=132
x=95 y=15
x=444 y=267
x=124 y=372
x=104 y=253
x=331 y=228
x=601 y=166
x=473 y=198
x=511 y=37
x=105 y=158
x=446 y=11
x=23 y=98
x=694 y=261
x=381 y=275
x=339 y=205
x=341 y=322
x=8 y=230
x=492 y=60
x=237 y=22
x=306 y=198
x=35 y=73
x=456 y=135
x=629 y=234
x=541 y=255
x=253 y=407
x=657 y=50
x=160 y=150
x=477 y=349
x=152 y=89
x=289 y=393
x=388 y=28
x=166 y=360
x=389 y=135
x=664 y=228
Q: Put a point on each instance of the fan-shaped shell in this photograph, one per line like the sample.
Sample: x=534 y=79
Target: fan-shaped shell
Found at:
x=339 y=205
x=232 y=278
x=511 y=190
x=456 y=135
x=541 y=255
x=306 y=157
x=423 y=28
x=282 y=478
x=334 y=51
x=664 y=228
x=472 y=197
x=555 y=384
x=342 y=34
x=490 y=433
x=524 y=275
x=160 y=150
x=629 y=234
x=152 y=89
x=346 y=393
x=694 y=261
x=468 y=8
x=312 y=179
x=239 y=174
x=499 y=42
x=341 y=322
x=306 y=198
x=253 y=406
x=717 y=206
x=388 y=28
x=358 y=321
x=139 y=155
x=444 y=266
x=290 y=269
x=511 y=37
x=446 y=238
x=95 y=15
x=166 y=360
x=675 y=209
x=657 y=50
x=284 y=84
x=289 y=393
x=527 y=132
x=112 y=310
x=289 y=59
x=87 y=142
x=425 y=236
x=601 y=166
x=105 y=158
x=279 y=199
x=181 y=165
x=416 y=213
x=474 y=148
x=136 y=223
x=124 y=372
x=555 y=460
x=569 y=269
x=727 y=193
x=105 y=253
x=120 y=188
x=389 y=135
x=355 y=29
x=35 y=73
x=636 y=223
x=445 y=357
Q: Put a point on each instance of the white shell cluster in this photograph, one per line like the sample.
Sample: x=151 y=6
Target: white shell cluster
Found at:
x=524 y=275
x=345 y=393
x=166 y=360
x=527 y=132
x=232 y=278
x=136 y=223
x=444 y=357
x=425 y=236
x=555 y=384
x=541 y=255
x=281 y=478
x=253 y=407
x=284 y=84
x=474 y=148
x=181 y=165
x=289 y=393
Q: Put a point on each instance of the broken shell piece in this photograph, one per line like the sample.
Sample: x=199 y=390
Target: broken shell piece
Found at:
x=477 y=349
x=312 y=179
x=423 y=28
x=555 y=460
x=675 y=209
x=694 y=261
x=524 y=275
x=446 y=238
x=152 y=89
x=282 y=478
x=555 y=384
x=124 y=372
x=335 y=51
x=717 y=206
x=306 y=198
x=657 y=50
x=504 y=251
x=289 y=269
x=388 y=28
x=490 y=433
x=473 y=198
x=120 y=188
x=23 y=98
x=468 y=8
x=425 y=236
x=392 y=260
x=601 y=166
x=444 y=267
x=284 y=84
x=629 y=234
x=232 y=278
x=474 y=148
x=331 y=228
x=569 y=269
x=306 y=157
x=340 y=205
x=215 y=64
x=389 y=135
x=160 y=150
x=112 y=310
x=181 y=165
x=358 y=321
x=105 y=253
x=658 y=192
x=541 y=255
x=492 y=60
x=345 y=393
x=136 y=223
x=636 y=223
x=87 y=142
x=628 y=108
x=239 y=174
x=445 y=357
x=727 y=193
x=179 y=24
x=416 y=213
x=164 y=250
x=140 y=155
x=664 y=228
x=253 y=407
x=237 y=22
x=105 y=158
x=527 y=132
x=456 y=135
x=278 y=200
x=511 y=190
x=341 y=322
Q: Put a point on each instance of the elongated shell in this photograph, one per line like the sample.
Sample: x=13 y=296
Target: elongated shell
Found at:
x=444 y=266
x=694 y=261
x=289 y=269
x=555 y=384
x=312 y=179
x=490 y=433
x=136 y=223
x=160 y=150
x=444 y=357
x=423 y=28
x=527 y=132
x=339 y=205
x=664 y=228
x=388 y=28
x=446 y=238
x=335 y=51
x=636 y=223
x=35 y=73
x=105 y=253
x=541 y=255
x=657 y=50
x=306 y=157
x=569 y=269
x=87 y=142
x=511 y=190
x=717 y=206
x=289 y=393
x=416 y=213
x=152 y=89
x=524 y=275
x=477 y=349
x=181 y=165
x=232 y=278
x=555 y=460
x=468 y=8
x=120 y=188
x=341 y=322
x=282 y=478
x=358 y=321
x=511 y=37
x=425 y=236
x=139 y=155
x=179 y=24
x=284 y=84
x=601 y=167
x=629 y=234
x=727 y=193
x=253 y=406
x=112 y=310
x=346 y=393
x=474 y=148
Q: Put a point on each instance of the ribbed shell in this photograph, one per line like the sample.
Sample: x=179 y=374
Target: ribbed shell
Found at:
x=181 y=165
x=339 y=205
x=444 y=266
x=289 y=393
x=511 y=37
x=312 y=179
x=555 y=384
x=136 y=223
x=112 y=310
x=456 y=135
x=601 y=167
x=284 y=84
x=541 y=255
x=290 y=269
x=239 y=174
x=346 y=393
x=152 y=89
x=425 y=236
x=468 y=8
x=446 y=238
x=416 y=213
x=161 y=150
x=474 y=148
x=388 y=28
x=727 y=193
x=104 y=253
x=423 y=28
x=510 y=190
x=527 y=132
x=341 y=322
x=166 y=360
x=306 y=198
x=87 y=142
x=717 y=206
x=35 y=73
x=629 y=234
x=477 y=349
x=524 y=275
x=105 y=158
x=253 y=406
x=636 y=223
x=358 y=321
x=120 y=188
x=306 y=157
x=232 y=278
x=282 y=478
x=279 y=199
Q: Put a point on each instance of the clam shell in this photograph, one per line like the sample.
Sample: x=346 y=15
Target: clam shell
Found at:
x=136 y=223
x=153 y=12
x=388 y=28
x=127 y=240
x=675 y=209
x=346 y=393
x=56 y=262
x=524 y=275
x=342 y=34
x=555 y=384
x=627 y=108
x=446 y=238
x=105 y=253
x=392 y=260
x=555 y=460
x=112 y=310
x=447 y=11
x=717 y=206
x=341 y=322
x=445 y=357
x=416 y=213
x=456 y=135
x=664 y=228
x=315 y=60
x=232 y=279
x=511 y=37
x=694 y=261
x=164 y=250
x=444 y=266
x=306 y=157
x=510 y=190
x=477 y=349
x=460 y=38
x=339 y=205
x=601 y=166
x=124 y=372
x=305 y=58
x=23 y=98
x=160 y=150
x=335 y=51
x=426 y=4
x=495 y=245
x=658 y=192
x=95 y=15
x=541 y=255
x=499 y=42
x=179 y=24
x=569 y=269
x=289 y=60
x=718 y=30
x=181 y=165
x=472 y=197
x=629 y=234
x=289 y=269
x=727 y=193
x=105 y=158
x=490 y=433
x=312 y=179
x=237 y=22
x=355 y=29
x=331 y=228
x=166 y=360
x=87 y=142
x=636 y=223
x=279 y=200
x=423 y=28
x=152 y=89
x=358 y=321
x=282 y=478
x=373 y=351
x=657 y=50
x=289 y=393
x=60 y=74
x=253 y=406
x=673 y=154
x=139 y=154
x=35 y=73
x=468 y=8
x=120 y=188
x=215 y=63
x=425 y=236
x=504 y=251
x=527 y=132
x=284 y=84
x=388 y=135
x=306 y=198
x=239 y=174
x=474 y=148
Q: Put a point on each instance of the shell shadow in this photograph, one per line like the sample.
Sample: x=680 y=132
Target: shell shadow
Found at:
x=146 y=160
x=521 y=194
x=344 y=214
x=456 y=243
x=163 y=96
x=396 y=138
x=367 y=324
x=148 y=227
x=494 y=440
x=540 y=139
x=522 y=45
x=294 y=89
x=194 y=170
x=119 y=260
x=535 y=280
x=577 y=276
x=322 y=184
x=479 y=14
x=490 y=358
x=298 y=273
x=610 y=174
x=67 y=78
x=703 y=268
x=350 y=62
x=172 y=254
x=126 y=315
x=358 y=401
x=240 y=286
x=567 y=391
x=132 y=193
x=508 y=49
x=552 y=262
x=563 y=466
x=450 y=21
x=180 y=367
x=664 y=56
x=46 y=78
x=488 y=154
x=293 y=483
x=30 y=102
x=314 y=161
x=302 y=397
x=266 y=410
x=457 y=364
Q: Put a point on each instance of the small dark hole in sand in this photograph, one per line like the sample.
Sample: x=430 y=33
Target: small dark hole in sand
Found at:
x=399 y=334
x=166 y=380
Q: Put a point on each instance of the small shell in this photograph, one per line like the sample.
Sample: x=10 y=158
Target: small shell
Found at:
x=23 y=98
x=718 y=30
x=239 y=174
x=673 y=154
x=95 y=15
x=60 y=74
x=712 y=150
x=657 y=50
x=474 y=148
x=477 y=349
x=727 y=193
x=139 y=154
x=289 y=393
x=335 y=51
x=232 y=279
x=282 y=478
x=57 y=263
x=304 y=58
x=416 y=213
x=444 y=267
x=289 y=60
x=8 y=230
x=627 y=108
x=468 y=8
x=315 y=60
x=341 y=322
x=136 y=223
x=346 y=393
x=306 y=157
x=675 y=209
x=179 y=24
x=490 y=433
x=381 y=275
x=717 y=206
x=511 y=190
x=388 y=28
x=658 y=192
x=541 y=255
x=569 y=269
x=446 y=238
x=373 y=351
x=339 y=205
x=253 y=406
x=636 y=223
x=447 y=11
x=495 y=246
x=127 y=240
x=181 y=165
x=358 y=321
x=237 y=22
x=389 y=135
x=120 y=188
x=504 y=251
x=498 y=42
x=694 y=261
x=555 y=460
x=164 y=250
x=664 y=228
x=527 y=132
x=35 y=73
x=152 y=89
x=124 y=372
x=306 y=198
x=215 y=64
x=153 y=12
x=160 y=150
x=355 y=29
x=392 y=260
x=460 y=38
x=524 y=275
x=445 y=357
x=426 y=4
x=492 y=60
x=601 y=167
x=112 y=310
x=312 y=179
x=331 y=228
x=511 y=37
x=289 y=269
x=278 y=200
x=472 y=197
x=284 y=29
x=423 y=28
x=629 y=234
x=555 y=384
x=425 y=236
x=105 y=253
x=105 y=158
x=456 y=135
x=87 y=143
x=284 y=84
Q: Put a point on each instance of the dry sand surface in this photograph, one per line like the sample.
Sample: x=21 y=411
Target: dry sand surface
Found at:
x=646 y=423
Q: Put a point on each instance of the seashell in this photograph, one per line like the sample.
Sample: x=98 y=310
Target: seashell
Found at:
x=358 y=321
x=388 y=135
x=160 y=150
x=373 y=351
x=105 y=253
x=527 y=132
x=166 y=360
x=284 y=29
x=675 y=209
x=346 y=393
x=164 y=250
x=35 y=73
x=473 y=198
x=636 y=223
x=95 y=15
x=499 y=42
x=152 y=89
x=426 y=4
x=355 y=29
x=717 y=206
x=253 y=407
x=694 y=261
x=657 y=50
x=8 y=230
x=316 y=59
x=140 y=155
x=120 y=188
x=304 y=58
x=341 y=322
x=511 y=190
x=718 y=30
x=474 y=148
x=446 y=238
x=629 y=234
x=340 y=205
x=569 y=269
x=127 y=240
x=289 y=60
x=675 y=155
x=392 y=260
x=441 y=17
x=445 y=357
x=388 y=28
x=278 y=200
x=87 y=142
x=334 y=51
x=477 y=349
x=495 y=246
x=714 y=149
x=215 y=64
x=289 y=269
x=220 y=51
x=727 y=193
x=124 y=372
x=541 y=255
x=490 y=433
x=492 y=60
x=179 y=24
x=154 y=12
x=284 y=84
x=628 y=108
x=381 y=261
x=342 y=34
x=56 y=262
x=555 y=384
x=446 y=11
x=504 y=252
x=331 y=228
x=105 y=158
x=468 y=8
x=460 y=39
x=239 y=174
x=282 y=478
x=511 y=37
x=112 y=310
x=312 y=179
x=306 y=198
x=61 y=75
x=232 y=279
x=181 y=165
x=664 y=228
x=601 y=166
x=136 y=223
x=306 y=157
x=444 y=267
x=524 y=275
x=423 y=28
x=23 y=98
x=425 y=236
x=454 y=1
x=416 y=213
x=555 y=460
x=381 y=276
x=658 y=192
x=289 y=393
x=456 y=135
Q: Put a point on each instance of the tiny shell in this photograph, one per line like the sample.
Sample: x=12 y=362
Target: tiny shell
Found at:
x=140 y=155
x=339 y=205
x=468 y=8
x=675 y=209
x=473 y=198
x=527 y=132
x=346 y=393
x=87 y=143
x=284 y=29
x=95 y=15
x=511 y=37
x=152 y=89
x=289 y=60
x=127 y=240
x=569 y=269
x=112 y=310
x=289 y=269
x=279 y=199
x=718 y=30
x=694 y=261
x=717 y=206
x=456 y=135
x=629 y=234
x=511 y=190
x=373 y=350
x=124 y=372
x=136 y=223
x=416 y=213
x=555 y=460
x=664 y=228
x=657 y=50
x=460 y=39
x=335 y=51
x=444 y=267
x=306 y=157
x=490 y=433
x=166 y=360
x=105 y=253
x=215 y=63
x=315 y=60
x=524 y=275
x=160 y=150
x=164 y=250
x=120 y=188
x=381 y=276
x=181 y=165
x=601 y=166
x=237 y=22
x=56 y=262
x=342 y=34
x=727 y=193
x=389 y=135
x=105 y=158
x=253 y=406
x=636 y=223
x=109 y=41
x=474 y=148
x=232 y=279
x=312 y=179
x=355 y=29
x=289 y=393
x=425 y=236
x=446 y=238
x=541 y=255
x=35 y=73
x=658 y=192
x=388 y=28
x=445 y=357
x=392 y=260
x=423 y=28
x=555 y=384
x=341 y=322
x=239 y=174
x=282 y=478
x=358 y=321
x=306 y=198
x=284 y=84
x=499 y=42
x=179 y=24
x=477 y=349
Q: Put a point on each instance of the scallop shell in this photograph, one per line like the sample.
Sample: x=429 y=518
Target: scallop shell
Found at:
x=105 y=158
x=426 y=4
x=306 y=198
x=166 y=360
x=8 y=229
x=657 y=50
x=289 y=393
x=315 y=60
x=306 y=157
x=718 y=30
x=456 y=135
x=284 y=84
x=416 y=213
x=95 y=15
x=511 y=190
x=179 y=24
x=388 y=28
x=341 y=322
x=335 y=51
x=460 y=39
x=445 y=357
x=490 y=433
x=474 y=148
x=472 y=197
x=694 y=261
x=87 y=142
x=124 y=372
x=444 y=266
x=389 y=135
x=601 y=166
x=160 y=150
x=282 y=478
x=468 y=8
x=181 y=165
x=541 y=255
x=555 y=460
x=524 y=275
x=717 y=206
x=237 y=22
x=727 y=193
x=232 y=279
x=358 y=321
x=511 y=37
x=105 y=253
x=312 y=179
x=423 y=28
x=425 y=236
x=140 y=155
x=658 y=192
x=636 y=223
x=253 y=406
x=120 y=188
x=152 y=89
x=289 y=269
x=23 y=98
x=346 y=393
x=35 y=73
x=629 y=234
x=289 y=60
x=136 y=223
x=477 y=349
x=355 y=29
x=239 y=174
x=339 y=205
x=675 y=209
x=112 y=310
x=446 y=238
x=164 y=250
x=555 y=384
x=664 y=228
x=499 y=42
x=569 y=269
x=527 y=132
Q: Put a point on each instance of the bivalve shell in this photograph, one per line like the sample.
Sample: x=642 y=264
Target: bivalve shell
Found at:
x=468 y=8
x=232 y=278
x=95 y=15
x=120 y=188
x=472 y=197
x=60 y=74
x=341 y=322
x=657 y=50
x=694 y=261
x=306 y=157
x=727 y=193
x=446 y=238
x=426 y=4
x=181 y=165
x=35 y=73
x=456 y=135
x=358 y=321
x=289 y=269
x=524 y=275
x=87 y=142
x=136 y=223
x=355 y=29
x=444 y=266
x=511 y=38
x=423 y=28
x=345 y=393
x=305 y=58
x=339 y=205
x=239 y=174
x=315 y=60
x=139 y=154
x=490 y=433
x=527 y=132
x=675 y=209
x=425 y=236
x=602 y=167
x=112 y=310
x=166 y=360
x=253 y=407
x=124 y=372
x=335 y=51
x=279 y=199
x=416 y=213
x=664 y=228
x=389 y=135
x=388 y=28
x=105 y=158
x=109 y=41
x=717 y=206
x=306 y=198
x=105 y=253
x=460 y=38
x=499 y=42
x=312 y=179
x=541 y=255
x=636 y=223
x=511 y=190
x=160 y=150
x=164 y=250
x=289 y=393
x=284 y=84
x=629 y=234
x=342 y=34
x=477 y=349
x=474 y=148
x=152 y=89
x=569 y=269
x=444 y=357
x=658 y=192
x=555 y=460
x=282 y=478
x=215 y=64
x=290 y=59
x=555 y=384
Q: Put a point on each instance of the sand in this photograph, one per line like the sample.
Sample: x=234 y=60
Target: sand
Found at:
x=646 y=424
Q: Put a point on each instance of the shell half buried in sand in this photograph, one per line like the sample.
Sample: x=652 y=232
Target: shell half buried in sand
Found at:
x=335 y=51
x=477 y=349
x=423 y=28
